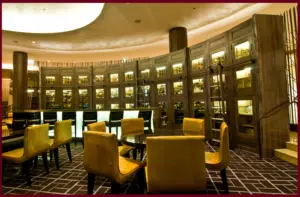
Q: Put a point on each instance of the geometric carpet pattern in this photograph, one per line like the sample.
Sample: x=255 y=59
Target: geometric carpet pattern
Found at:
x=246 y=174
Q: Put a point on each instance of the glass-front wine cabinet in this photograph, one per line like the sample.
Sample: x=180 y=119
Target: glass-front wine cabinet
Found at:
x=178 y=113
x=199 y=109
x=83 y=98
x=50 y=99
x=67 y=99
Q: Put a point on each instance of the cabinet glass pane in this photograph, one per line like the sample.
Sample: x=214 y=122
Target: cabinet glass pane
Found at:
x=197 y=64
x=242 y=50
x=99 y=93
x=245 y=117
x=129 y=105
x=50 y=99
x=146 y=90
x=217 y=106
x=163 y=113
x=50 y=80
x=82 y=79
x=161 y=71
x=67 y=98
x=67 y=80
x=114 y=106
x=99 y=78
x=219 y=56
x=129 y=76
x=99 y=106
x=243 y=78
x=177 y=68
x=198 y=85
x=161 y=89
x=129 y=92
x=83 y=98
x=178 y=112
x=114 y=78
x=215 y=82
x=199 y=109
x=178 y=88
x=114 y=92
x=145 y=74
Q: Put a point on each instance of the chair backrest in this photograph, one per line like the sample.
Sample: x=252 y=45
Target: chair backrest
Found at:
x=193 y=126
x=145 y=114
x=224 y=152
x=89 y=116
x=97 y=126
x=69 y=115
x=101 y=155
x=132 y=126
x=176 y=164
x=62 y=132
x=50 y=117
x=33 y=118
x=19 y=120
x=116 y=115
x=36 y=140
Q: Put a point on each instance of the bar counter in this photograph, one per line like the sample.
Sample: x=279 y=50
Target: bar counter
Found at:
x=102 y=115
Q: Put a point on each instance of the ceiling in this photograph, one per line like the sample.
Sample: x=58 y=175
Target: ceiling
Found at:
x=116 y=33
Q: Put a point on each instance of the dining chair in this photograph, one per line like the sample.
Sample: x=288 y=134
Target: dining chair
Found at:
x=101 y=158
x=175 y=164
x=71 y=115
x=88 y=118
x=193 y=126
x=132 y=126
x=115 y=118
x=62 y=136
x=101 y=127
x=146 y=115
x=220 y=160
x=36 y=142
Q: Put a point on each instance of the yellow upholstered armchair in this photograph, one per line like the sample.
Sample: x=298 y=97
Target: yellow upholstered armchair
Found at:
x=62 y=136
x=220 y=160
x=101 y=158
x=131 y=126
x=36 y=142
x=193 y=126
x=175 y=164
x=101 y=127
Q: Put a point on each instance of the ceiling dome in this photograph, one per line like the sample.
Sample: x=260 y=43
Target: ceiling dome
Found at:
x=48 y=17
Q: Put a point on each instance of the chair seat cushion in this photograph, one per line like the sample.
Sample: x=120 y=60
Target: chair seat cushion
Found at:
x=14 y=155
x=212 y=160
x=129 y=166
x=124 y=149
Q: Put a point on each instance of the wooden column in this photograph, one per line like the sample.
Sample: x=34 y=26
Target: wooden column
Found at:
x=273 y=92
x=177 y=39
x=19 y=80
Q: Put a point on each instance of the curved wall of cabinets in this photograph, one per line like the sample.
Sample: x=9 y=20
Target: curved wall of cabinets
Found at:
x=185 y=83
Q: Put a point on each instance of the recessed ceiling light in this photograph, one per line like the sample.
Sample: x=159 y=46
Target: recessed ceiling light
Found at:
x=48 y=60
x=33 y=42
x=137 y=21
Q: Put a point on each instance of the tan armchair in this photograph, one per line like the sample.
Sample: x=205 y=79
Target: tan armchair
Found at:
x=220 y=160
x=62 y=136
x=175 y=164
x=193 y=126
x=101 y=158
x=36 y=142
x=101 y=127
x=131 y=126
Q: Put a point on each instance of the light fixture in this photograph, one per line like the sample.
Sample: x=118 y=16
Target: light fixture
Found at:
x=124 y=60
x=33 y=42
x=52 y=17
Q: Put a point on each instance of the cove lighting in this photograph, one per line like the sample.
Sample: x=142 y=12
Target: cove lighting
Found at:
x=48 y=17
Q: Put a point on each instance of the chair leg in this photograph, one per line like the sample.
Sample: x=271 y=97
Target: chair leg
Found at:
x=51 y=155
x=91 y=181
x=69 y=151
x=56 y=158
x=141 y=180
x=75 y=135
x=134 y=153
x=25 y=167
x=115 y=188
x=109 y=129
x=35 y=162
x=224 y=180
x=142 y=153
x=45 y=162
x=117 y=131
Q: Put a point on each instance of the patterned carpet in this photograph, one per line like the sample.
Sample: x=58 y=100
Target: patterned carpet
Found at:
x=246 y=174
